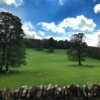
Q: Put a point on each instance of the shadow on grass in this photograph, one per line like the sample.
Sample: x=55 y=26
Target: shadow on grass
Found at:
x=10 y=72
x=17 y=72
x=82 y=66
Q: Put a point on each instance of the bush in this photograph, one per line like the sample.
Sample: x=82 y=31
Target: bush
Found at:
x=50 y=50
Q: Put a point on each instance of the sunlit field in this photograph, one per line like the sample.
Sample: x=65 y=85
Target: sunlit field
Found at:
x=43 y=68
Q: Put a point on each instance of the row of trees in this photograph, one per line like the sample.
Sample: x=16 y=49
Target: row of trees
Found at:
x=93 y=52
x=12 y=48
x=46 y=43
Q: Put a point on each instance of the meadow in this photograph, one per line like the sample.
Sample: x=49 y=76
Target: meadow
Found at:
x=44 y=68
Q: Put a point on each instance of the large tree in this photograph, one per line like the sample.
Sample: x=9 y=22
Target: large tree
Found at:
x=77 y=48
x=12 y=48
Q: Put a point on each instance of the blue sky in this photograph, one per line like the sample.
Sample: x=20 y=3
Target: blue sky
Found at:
x=57 y=18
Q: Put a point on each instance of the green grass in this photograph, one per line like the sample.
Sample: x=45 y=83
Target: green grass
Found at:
x=53 y=68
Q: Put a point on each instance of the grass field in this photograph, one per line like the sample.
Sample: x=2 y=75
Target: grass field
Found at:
x=44 y=68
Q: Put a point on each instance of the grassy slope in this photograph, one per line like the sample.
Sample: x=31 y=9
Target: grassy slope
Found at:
x=54 y=68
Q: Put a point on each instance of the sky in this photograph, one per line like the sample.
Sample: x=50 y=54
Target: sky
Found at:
x=60 y=19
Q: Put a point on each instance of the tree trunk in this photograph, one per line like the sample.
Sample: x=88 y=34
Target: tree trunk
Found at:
x=79 y=57
x=1 y=67
x=3 y=57
x=80 y=62
x=7 y=68
x=4 y=50
x=8 y=53
x=7 y=61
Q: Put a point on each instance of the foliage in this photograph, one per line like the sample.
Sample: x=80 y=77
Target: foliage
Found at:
x=45 y=43
x=38 y=45
x=12 y=48
x=93 y=52
x=77 y=48
x=50 y=50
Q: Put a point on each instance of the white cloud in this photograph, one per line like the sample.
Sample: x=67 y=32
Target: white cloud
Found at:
x=92 y=39
x=28 y=29
x=41 y=33
x=52 y=27
x=28 y=25
x=80 y=23
x=16 y=3
x=97 y=8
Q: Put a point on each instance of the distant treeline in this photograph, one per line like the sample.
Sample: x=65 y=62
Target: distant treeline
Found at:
x=92 y=52
x=46 y=43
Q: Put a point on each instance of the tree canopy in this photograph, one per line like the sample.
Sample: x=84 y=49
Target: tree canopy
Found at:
x=77 y=48
x=12 y=48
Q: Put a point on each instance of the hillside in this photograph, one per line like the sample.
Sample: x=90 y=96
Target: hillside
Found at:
x=44 y=68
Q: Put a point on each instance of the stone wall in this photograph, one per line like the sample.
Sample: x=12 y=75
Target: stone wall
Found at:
x=51 y=92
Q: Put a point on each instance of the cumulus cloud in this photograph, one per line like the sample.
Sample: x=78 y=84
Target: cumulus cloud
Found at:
x=29 y=31
x=97 y=8
x=92 y=39
x=52 y=27
x=41 y=33
x=16 y=3
x=80 y=23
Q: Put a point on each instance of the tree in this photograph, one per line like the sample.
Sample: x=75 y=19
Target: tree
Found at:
x=77 y=48
x=51 y=42
x=50 y=50
x=51 y=45
x=12 y=48
x=38 y=45
x=93 y=52
x=29 y=43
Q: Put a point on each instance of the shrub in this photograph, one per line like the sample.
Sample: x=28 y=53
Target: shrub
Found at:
x=50 y=50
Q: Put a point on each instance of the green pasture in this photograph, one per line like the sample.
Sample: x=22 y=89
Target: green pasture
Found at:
x=51 y=68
